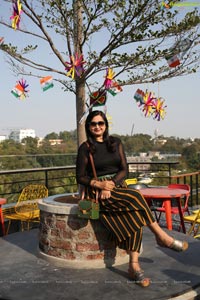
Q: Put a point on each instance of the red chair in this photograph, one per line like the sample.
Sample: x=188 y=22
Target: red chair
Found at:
x=174 y=208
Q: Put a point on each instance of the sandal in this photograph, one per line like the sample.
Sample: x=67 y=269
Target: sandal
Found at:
x=176 y=245
x=138 y=277
x=179 y=246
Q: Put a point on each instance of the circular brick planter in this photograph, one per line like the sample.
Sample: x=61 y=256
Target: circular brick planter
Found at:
x=70 y=241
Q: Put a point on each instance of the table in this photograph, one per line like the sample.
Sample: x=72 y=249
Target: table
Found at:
x=166 y=194
x=2 y=201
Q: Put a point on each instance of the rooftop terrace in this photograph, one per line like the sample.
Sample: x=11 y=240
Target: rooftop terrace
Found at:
x=25 y=275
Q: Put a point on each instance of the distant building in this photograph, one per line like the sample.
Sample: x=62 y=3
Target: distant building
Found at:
x=52 y=142
x=55 y=142
x=2 y=138
x=19 y=134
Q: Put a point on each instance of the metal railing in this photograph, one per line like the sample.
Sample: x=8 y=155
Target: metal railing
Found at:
x=62 y=179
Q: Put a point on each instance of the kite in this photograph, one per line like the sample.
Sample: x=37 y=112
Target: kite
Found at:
x=139 y=96
x=173 y=61
x=109 y=78
x=98 y=98
x=16 y=16
x=148 y=105
x=75 y=66
x=1 y=40
x=115 y=88
x=159 y=108
x=177 y=52
x=46 y=83
x=20 y=90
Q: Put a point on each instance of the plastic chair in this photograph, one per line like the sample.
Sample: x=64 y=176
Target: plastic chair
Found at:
x=129 y=181
x=174 y=208
x=26 y=208
x=194 y=220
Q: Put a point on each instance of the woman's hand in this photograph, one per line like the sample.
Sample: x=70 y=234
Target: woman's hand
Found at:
x=107 y=185
x=105 y=194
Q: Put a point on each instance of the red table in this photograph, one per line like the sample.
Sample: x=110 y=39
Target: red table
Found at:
x=166 y=194
x=2 y=201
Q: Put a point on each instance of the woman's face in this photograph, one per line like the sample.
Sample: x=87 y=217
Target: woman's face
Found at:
x=97 y=127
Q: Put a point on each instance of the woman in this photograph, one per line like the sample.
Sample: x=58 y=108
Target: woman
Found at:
x=124 y=211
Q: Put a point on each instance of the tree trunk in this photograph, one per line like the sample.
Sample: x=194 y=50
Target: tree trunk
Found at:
x=80 y=108
x=80 y=82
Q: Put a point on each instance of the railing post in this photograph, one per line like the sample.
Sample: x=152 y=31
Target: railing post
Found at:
x=169 y=168
x=46 y=179
x=191 y=193
x=197 y=189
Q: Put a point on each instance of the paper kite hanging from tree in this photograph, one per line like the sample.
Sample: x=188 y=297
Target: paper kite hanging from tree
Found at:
x=16 y=15
x=110 y=84
x=159 y=109
x=75 y=66
x=115 y=88
x=177 y=52
x=98 y=98
x=109 y=78
x=46 y=83
x=20 y=90
x=150 y=105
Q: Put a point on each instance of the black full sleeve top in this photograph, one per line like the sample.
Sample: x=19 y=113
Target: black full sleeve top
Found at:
x=106 y=163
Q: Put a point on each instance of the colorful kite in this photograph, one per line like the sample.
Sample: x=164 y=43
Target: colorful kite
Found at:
x=16 y=16
x=139 y=96
x=75 y=66
x=173 y=61
x=109 y=78
x=46 y=83
x=1 y=40
x=177 y=52
x=150 y=105
x=20 y=90
x=115 y=88
x=159 y=109
x=98 y=98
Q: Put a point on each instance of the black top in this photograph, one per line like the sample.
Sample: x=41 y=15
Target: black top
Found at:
x=106 y=162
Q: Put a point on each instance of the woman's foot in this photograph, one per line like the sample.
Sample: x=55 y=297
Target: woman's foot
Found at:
x=165 y=240
x=137 y=274
x=173 y=244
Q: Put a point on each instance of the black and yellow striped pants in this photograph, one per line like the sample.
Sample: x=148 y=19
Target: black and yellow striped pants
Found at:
x=124 y=214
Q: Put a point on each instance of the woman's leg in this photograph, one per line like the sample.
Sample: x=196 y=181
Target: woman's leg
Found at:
x=135 y=271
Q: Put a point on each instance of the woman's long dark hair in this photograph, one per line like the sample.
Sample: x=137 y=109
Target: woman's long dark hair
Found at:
x=110 y=141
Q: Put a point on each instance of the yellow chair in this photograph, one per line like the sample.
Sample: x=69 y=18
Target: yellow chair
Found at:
x=130 y=181
x=26 y=208
x=194 y=220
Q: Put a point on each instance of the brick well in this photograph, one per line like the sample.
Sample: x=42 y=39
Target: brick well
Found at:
x=68 y=240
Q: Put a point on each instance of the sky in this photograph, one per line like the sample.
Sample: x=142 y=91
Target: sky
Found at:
x=55 y=111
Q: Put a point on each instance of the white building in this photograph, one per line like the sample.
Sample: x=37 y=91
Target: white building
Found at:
x=2 y=138
x=19 y=134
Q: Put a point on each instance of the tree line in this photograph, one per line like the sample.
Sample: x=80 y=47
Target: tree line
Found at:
x=28 y=154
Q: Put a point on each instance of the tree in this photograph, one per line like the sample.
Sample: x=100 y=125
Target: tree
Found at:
x=51 y=136
x=131 y=37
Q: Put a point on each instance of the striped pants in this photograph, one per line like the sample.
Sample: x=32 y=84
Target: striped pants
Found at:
x=124 y=214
